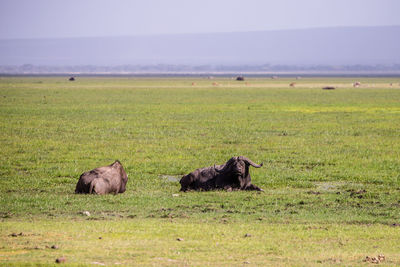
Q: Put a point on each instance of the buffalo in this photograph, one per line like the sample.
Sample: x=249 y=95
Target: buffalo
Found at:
x=233 y=175
x=103 y=180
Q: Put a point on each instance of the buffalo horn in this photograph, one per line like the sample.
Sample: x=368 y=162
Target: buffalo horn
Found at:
x=248 y=161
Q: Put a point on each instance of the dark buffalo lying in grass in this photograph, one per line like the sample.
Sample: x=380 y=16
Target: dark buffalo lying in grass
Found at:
x=103 y=180
x=233 y=175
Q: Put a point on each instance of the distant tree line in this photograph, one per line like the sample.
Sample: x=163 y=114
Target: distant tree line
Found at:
x=165 y=68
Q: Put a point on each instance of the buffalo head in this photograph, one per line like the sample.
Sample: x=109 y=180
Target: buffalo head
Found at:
x=238 y=165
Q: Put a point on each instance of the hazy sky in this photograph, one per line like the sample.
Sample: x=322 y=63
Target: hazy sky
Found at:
x=79 y=18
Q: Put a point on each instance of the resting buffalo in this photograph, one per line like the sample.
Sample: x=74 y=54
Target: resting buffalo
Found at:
x=103 y=180
x=233 y=175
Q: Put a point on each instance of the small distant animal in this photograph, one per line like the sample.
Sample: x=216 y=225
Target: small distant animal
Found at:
x=103 y=180
x=215 y=84
x=193 y=84
x=356 y=84
x=233 y=175
x=240 y=78
x=71 y=79
x=292 y=84
x=274 y=77
x=329 y=88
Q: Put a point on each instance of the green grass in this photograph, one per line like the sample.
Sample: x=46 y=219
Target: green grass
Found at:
x=332 y=160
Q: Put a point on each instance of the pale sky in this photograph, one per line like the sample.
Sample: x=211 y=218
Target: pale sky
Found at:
x=87 y=18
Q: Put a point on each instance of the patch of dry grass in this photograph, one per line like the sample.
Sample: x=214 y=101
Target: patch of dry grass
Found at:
x=154 y=242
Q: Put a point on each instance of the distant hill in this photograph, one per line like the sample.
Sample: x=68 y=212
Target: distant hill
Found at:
x=327 y=46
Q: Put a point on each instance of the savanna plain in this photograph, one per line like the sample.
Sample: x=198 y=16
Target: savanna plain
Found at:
x=331 y=171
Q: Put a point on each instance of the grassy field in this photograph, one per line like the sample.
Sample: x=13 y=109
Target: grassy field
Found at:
x=331 y=171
